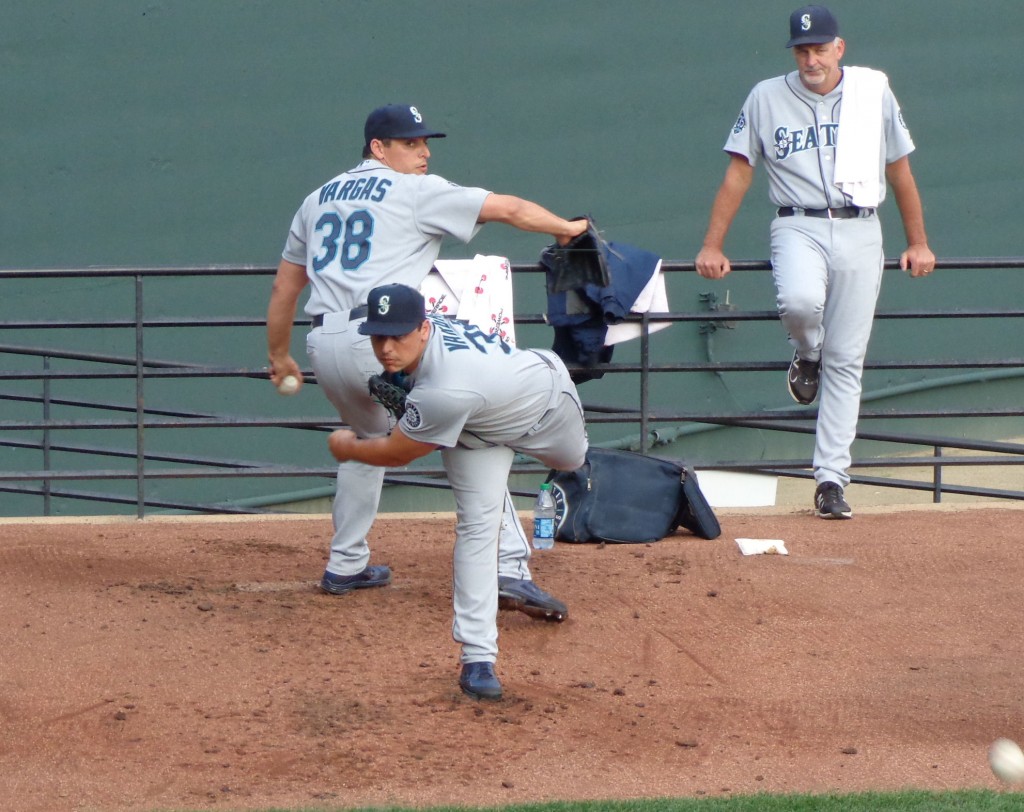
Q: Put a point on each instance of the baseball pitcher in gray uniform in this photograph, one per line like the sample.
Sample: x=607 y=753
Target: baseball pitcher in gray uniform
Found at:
x=384 y=221
x=829 y=138
x=480 y=401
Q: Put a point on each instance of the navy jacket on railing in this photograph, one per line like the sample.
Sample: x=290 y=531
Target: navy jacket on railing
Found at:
x=580 y=317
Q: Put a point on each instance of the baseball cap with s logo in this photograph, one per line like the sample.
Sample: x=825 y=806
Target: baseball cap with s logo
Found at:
x=812 y=25
x=393 y=310
x=397 y=121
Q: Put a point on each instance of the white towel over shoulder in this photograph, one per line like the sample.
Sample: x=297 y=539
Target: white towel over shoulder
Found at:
x=860 y=136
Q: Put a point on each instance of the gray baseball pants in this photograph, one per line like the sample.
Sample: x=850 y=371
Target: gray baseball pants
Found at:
x=827 y=276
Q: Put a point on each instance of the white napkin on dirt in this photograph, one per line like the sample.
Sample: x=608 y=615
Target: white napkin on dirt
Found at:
x=762 y=546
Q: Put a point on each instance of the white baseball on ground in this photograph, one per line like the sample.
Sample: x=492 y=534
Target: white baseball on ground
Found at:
x=1007 y=761
x=289 y=385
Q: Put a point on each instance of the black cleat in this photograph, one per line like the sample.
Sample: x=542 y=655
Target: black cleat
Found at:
x=829 y=502
x=803 y=380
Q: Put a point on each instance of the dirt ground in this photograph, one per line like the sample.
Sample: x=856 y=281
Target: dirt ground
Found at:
x=172 y=664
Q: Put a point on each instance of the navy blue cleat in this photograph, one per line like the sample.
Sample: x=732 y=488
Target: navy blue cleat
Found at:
x=342 y=584
x=478 y=681
x=529 y=598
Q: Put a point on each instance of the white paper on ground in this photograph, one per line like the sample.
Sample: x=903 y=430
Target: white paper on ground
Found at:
x=762 y=546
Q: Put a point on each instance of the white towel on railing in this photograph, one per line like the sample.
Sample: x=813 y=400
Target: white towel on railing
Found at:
x=859 y=141
x=652 y=299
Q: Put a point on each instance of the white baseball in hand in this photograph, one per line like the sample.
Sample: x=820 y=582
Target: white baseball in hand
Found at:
x=289 y=385
x=1007 y=761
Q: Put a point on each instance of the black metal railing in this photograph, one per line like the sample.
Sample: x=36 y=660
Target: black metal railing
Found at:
x=35 y=432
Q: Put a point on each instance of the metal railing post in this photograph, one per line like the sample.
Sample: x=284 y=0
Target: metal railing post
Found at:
x=937 y=478
x=645 y=372
x=47 y=464
x=140 y=429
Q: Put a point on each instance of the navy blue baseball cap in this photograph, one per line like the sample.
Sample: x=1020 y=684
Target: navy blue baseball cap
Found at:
x=397 y=121
x=812 y=25
x=393 y=310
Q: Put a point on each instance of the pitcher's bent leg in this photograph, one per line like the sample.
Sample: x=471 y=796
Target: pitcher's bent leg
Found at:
x=343 y=361
x=356 y=499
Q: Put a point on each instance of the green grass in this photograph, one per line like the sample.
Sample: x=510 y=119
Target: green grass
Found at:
x=966 y=800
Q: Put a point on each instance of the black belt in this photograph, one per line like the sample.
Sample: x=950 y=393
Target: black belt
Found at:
x=844 y=213
x=353 y=314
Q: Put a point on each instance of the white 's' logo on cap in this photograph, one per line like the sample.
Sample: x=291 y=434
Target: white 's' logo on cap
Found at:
x=384 y=304
x=416 y=115
x=805 y=22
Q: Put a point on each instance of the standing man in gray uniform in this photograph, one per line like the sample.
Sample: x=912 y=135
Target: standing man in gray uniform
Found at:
x=480 y=401
x=384 y=221
x=829 y=138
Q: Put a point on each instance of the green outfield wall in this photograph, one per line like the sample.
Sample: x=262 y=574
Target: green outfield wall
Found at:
x=159 y=132
x=186 y=133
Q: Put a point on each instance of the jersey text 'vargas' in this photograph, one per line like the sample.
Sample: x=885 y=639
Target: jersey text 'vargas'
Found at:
x=371 y=188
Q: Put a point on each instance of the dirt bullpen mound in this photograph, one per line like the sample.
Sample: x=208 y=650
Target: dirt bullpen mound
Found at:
x=193 y=664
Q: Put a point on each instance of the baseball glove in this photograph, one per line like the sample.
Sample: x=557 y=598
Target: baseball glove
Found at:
x=389 y=390
x=580 y=262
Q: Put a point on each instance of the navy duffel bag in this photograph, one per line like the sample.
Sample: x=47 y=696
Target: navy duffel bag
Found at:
x=623 y=497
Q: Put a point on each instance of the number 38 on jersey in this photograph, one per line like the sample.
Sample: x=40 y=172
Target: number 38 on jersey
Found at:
x=347 y=240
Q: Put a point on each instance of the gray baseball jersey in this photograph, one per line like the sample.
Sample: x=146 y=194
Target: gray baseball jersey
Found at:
x=366 y=227
x=372 y=225
x=469 y=381
x=793 y=130
x=482 y=400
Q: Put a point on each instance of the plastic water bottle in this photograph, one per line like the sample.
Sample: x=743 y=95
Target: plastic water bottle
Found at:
x=544 y=519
